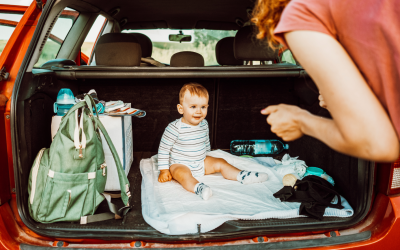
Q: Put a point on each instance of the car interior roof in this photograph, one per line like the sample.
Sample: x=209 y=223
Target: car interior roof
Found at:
x=177 y=14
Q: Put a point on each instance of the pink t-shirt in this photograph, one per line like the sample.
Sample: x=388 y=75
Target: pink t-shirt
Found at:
x=369 y=30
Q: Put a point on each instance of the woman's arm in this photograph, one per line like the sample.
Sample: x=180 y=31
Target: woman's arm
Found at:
x=360 y=125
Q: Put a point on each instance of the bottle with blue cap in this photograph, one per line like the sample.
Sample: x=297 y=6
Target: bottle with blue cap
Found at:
x=257 y=147
x=65 y=101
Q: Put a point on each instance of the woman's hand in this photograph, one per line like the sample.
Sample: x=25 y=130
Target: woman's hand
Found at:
x=285 y=120
x=165 y=175
x=322 y=102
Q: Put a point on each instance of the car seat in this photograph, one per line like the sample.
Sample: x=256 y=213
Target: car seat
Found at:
x=247 y=47
x=118 y=49
x=224 y=52
x=145 y=44
x=187 y=59
x=147 y=50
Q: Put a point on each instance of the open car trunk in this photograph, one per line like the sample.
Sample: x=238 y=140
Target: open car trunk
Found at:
x=234 y=113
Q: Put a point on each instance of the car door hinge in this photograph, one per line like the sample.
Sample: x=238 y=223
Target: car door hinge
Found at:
x=4 y=74
x=39 y=4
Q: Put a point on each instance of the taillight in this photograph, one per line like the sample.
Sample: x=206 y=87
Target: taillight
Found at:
x=389 y=178
x=394 y=184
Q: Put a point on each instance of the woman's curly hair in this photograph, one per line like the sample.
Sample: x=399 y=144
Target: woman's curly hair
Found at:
x=266 y=15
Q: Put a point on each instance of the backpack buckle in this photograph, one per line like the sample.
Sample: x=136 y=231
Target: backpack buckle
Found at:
x=103 y=166
x=84 y=220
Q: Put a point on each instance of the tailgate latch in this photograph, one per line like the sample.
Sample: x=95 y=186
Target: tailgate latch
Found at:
x=4 y=74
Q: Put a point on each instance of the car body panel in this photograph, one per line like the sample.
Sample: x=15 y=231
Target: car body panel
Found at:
x=11 y=59
x=382 y=221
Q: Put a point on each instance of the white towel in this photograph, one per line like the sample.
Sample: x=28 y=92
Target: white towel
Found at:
x=170 y=209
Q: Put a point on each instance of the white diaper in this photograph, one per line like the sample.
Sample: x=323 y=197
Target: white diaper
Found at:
x=196 y=167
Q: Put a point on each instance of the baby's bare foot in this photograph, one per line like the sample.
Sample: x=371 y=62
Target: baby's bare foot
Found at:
x=249 y=177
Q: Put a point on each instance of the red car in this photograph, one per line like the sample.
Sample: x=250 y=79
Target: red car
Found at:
x=44 y=54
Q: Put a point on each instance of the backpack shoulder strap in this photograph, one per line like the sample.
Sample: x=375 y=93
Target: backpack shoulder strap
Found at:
x=116 y=212
x=123 y=180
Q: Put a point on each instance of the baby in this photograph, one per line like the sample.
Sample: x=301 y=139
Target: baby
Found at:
x=185 y=142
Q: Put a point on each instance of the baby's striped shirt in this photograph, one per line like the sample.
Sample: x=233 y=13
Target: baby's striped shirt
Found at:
x=183 y=143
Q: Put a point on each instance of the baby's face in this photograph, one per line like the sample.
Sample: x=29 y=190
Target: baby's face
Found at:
x=193 y=108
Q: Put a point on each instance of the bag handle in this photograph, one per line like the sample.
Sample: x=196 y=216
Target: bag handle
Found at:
x=75 y=107
x=71 y=111
x=79 y=144
x=89 y=101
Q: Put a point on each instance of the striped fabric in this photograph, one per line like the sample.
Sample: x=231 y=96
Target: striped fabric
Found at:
x=184 y=144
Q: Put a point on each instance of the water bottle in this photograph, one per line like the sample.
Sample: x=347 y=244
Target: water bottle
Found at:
x=100 y=108
x=257 y=147
x=65 y=101
x=319 y=172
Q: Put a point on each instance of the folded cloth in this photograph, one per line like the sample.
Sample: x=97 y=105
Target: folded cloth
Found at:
x=290 y=165
x=314 y=193
x=170 y=209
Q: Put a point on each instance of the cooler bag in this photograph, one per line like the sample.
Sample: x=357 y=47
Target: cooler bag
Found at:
x=67 y=180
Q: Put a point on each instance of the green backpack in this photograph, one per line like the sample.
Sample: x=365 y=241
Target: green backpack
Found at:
x=67 y=180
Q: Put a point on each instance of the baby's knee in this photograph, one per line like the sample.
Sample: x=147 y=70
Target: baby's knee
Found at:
x=178 y=172
x=219 y=164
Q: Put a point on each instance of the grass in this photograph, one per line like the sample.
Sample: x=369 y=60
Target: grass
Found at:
x=2 y=45
x=51 y=49
x=49 y=52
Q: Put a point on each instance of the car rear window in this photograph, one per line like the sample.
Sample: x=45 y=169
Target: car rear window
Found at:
x=203 y=42
x=88 y=44
x=56 y=38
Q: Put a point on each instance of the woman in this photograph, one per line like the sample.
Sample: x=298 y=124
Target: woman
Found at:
x=351 y=50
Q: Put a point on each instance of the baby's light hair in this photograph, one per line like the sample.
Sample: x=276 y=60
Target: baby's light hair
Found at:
x=194 y=89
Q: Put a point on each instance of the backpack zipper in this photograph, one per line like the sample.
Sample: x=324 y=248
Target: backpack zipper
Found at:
x=103 y=166
x=35 y=172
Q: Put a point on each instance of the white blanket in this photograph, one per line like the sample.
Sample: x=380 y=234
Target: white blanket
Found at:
x=170 y=209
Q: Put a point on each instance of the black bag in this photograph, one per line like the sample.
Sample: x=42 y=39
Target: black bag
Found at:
x=314 y=193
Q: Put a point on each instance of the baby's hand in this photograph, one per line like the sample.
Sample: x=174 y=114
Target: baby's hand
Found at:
x=165 y=175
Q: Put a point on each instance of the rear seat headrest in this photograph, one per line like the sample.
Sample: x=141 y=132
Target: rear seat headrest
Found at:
x=187 y=59
x=118 y=49
x=224 y=52
x=145 y=43
x=248 y=47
